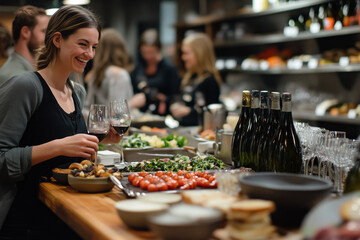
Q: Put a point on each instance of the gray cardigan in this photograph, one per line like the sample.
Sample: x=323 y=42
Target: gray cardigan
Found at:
x=20 y=96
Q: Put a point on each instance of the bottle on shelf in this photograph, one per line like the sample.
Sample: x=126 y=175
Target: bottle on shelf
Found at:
x=345 y=13
x=286 y=155
x=292 y=29
x=264 y=145
x=245 y=142
x=301 y=22
x=329 y=19
x=321 y=16
x=313 y=23
x=240 y=128
x=339 y=16
x=352 y=182
x=260 y=129
x=354 y=9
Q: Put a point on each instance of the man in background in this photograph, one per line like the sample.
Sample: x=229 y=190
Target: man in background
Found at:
x=28 y=29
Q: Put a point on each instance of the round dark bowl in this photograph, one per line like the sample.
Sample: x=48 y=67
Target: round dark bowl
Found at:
x=293 y=194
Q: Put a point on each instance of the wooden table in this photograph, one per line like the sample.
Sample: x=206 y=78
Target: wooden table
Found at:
x=92 y=216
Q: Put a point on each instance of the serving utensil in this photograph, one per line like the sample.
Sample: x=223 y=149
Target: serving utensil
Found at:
x=128 y=192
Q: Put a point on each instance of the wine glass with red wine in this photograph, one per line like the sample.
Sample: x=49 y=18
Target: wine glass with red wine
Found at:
x=98 y=122
x=120 y=120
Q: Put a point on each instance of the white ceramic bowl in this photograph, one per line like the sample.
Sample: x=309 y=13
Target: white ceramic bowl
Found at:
x=187 y=222
x=135 y=213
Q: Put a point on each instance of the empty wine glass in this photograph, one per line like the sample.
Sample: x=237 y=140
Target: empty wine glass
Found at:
x=120 y=120
x=98 y=122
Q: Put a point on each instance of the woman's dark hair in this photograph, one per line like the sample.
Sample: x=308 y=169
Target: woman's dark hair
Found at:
x=67 y=20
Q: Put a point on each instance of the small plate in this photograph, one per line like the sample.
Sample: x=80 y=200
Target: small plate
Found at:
x=325 y=214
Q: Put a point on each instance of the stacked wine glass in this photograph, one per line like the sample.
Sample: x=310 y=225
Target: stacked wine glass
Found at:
x=327 y=154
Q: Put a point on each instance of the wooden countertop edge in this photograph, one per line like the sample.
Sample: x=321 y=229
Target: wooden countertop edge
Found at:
x=82 y=221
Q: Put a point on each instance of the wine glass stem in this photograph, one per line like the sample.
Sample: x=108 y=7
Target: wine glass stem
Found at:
x=122 y=160
x=96 y=161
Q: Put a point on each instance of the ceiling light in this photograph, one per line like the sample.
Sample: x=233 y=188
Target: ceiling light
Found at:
x=76 y=2
x=51 y=11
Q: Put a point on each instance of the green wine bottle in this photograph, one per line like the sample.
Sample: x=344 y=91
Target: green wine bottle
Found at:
x=286 y=156
x=264 y=145
x=245 y=141
x=352 y=182
x=240 y=128
x=260 y=129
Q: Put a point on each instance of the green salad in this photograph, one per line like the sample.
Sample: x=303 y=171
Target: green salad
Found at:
x=140 y=140
x=178 y=162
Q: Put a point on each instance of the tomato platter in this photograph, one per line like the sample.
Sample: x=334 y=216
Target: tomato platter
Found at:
x=169 y=181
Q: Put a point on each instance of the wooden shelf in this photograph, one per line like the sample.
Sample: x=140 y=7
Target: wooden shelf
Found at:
x=280 y=38
x=310 y=116
x=332 y=68
x=244 y=14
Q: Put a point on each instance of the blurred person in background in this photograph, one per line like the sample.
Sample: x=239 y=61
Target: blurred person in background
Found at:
x=28 y=31
x=109 y=80
x=154 y=79
x=5 y=43
x=201 y=83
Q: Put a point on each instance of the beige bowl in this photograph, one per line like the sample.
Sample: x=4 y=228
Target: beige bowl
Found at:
x=135 y=213
x=90 y=185
x=186 y=222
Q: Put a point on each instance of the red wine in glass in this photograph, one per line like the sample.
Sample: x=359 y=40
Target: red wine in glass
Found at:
x=122 y=129
x=100 y=135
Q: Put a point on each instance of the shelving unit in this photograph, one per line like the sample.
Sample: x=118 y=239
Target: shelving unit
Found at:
x=331 y=68
x=280 y=38
x=266 y=30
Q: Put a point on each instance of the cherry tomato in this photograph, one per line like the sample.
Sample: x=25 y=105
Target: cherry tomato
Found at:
x=159 y=173
x=202 y=182
x=132 y=176
x=197 y=173
x=172 y=184
x=144 y=184
x=175 y=177
x=213 y=184
x=152 y=188
x=182 y=181
x=189 y=175
x=170 y=173
x=181 y=172
x=207 y=175
x=192 y=184
x=162 y=186
x=136 y=181
x=211 y=178
x=143 y=174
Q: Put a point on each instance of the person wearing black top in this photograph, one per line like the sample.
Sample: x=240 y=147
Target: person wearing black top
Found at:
x=154 y=76
x=41 y=125
x=201 y=83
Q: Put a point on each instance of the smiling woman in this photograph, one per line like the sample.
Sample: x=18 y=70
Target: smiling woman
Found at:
x=41 y=125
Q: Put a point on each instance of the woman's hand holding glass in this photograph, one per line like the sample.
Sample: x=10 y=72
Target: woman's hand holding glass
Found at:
x=98 y=122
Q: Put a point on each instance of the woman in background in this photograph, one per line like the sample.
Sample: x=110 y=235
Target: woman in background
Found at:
x=201 y=83
x=153 y=76
x=109 y=79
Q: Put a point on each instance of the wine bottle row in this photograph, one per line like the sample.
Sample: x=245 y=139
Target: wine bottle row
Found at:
x=264 y=138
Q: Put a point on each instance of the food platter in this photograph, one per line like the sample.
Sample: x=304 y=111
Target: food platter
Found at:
x=325 y=214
